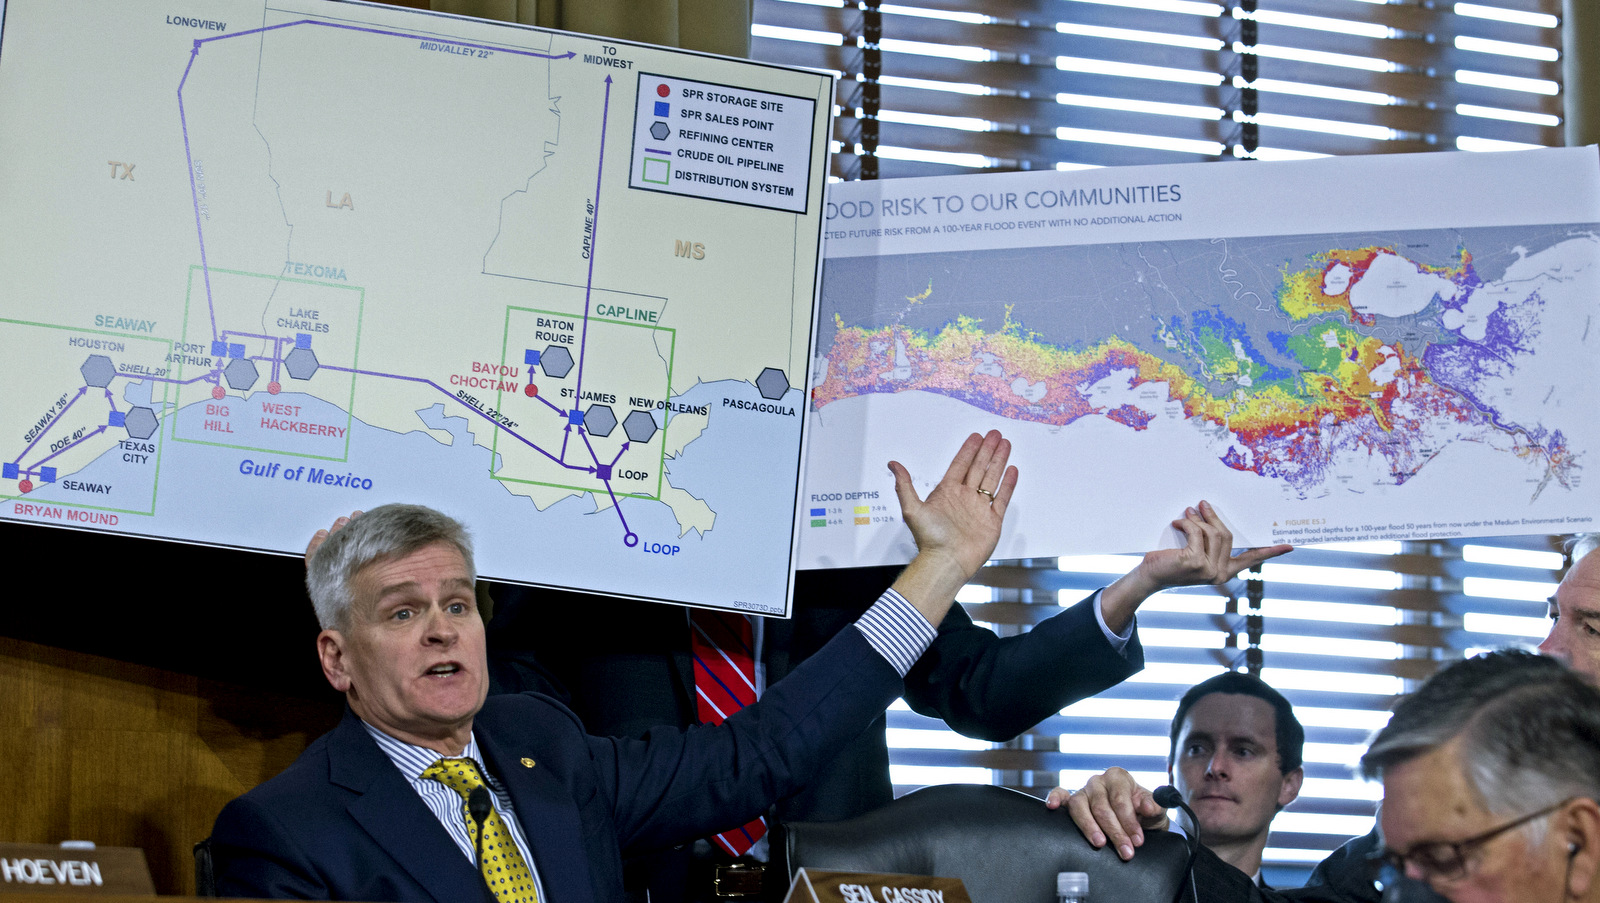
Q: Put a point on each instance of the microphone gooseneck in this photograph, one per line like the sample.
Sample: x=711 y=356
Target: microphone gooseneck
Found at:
x=478 y=806
x=1168 y=797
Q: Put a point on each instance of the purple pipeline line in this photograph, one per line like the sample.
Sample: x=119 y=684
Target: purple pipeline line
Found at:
x=498 y=424
x=194 y=193
x=615 y=506
x=619 y=454
x=549 y=405
x=396 y=34
x=167 y=379
x=111 y=400
x=86 y=438
x=240 y=34
x=594 y=239
x=44 y=432
x=584 y=435
x=565 y=435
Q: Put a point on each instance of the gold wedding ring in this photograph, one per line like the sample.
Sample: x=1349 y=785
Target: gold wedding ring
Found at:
x=986 y=492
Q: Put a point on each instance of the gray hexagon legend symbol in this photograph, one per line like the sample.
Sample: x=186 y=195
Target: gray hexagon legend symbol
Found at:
x=241 y=373
x=140 y=423
x=639 y=426
x=660 y=130
x=772 y=384
x=98 y=370
x=556 y=362
x=599 y=420
x=301 y=363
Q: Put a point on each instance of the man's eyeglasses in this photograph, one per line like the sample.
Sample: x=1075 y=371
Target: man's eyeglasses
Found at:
x=1448 y=860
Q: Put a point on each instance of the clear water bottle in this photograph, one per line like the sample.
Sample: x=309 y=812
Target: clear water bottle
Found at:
x=1072 y=887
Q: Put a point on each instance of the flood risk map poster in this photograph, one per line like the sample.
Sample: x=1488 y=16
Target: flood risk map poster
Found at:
x=1399 y=347
x=263 y=263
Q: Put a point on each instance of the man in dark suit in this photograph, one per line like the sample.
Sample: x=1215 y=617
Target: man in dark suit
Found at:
x=515 y=784
x=641 y=675
x=1235 y=756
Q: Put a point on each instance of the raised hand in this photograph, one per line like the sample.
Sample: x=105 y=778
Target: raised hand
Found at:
x=957 y=526
x=1206 y=558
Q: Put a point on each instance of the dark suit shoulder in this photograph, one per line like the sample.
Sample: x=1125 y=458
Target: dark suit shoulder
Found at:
x=527 y=715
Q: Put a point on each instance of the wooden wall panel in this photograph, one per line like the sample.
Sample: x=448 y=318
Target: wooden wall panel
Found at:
x=132 y=755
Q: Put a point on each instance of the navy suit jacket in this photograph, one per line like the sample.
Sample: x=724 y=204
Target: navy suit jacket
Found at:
x=638 y=673
x=342 y=823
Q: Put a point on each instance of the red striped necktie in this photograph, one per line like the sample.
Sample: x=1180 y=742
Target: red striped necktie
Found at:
x=725 y=682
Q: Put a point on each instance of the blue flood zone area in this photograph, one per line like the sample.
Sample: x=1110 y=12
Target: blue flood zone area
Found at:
x=205 y=496
x=1228 y=329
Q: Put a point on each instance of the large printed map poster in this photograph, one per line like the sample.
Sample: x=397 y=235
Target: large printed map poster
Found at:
x=1398 y=347
x=265 y=263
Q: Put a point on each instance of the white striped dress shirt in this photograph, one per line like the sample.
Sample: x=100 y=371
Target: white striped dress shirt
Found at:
x=446 y=804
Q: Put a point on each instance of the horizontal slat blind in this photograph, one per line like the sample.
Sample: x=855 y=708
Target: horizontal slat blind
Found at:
x=1029 y=84
x=1035 y=84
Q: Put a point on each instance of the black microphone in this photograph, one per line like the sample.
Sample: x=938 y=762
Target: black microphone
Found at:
x=478 y=806
x=1168 y=797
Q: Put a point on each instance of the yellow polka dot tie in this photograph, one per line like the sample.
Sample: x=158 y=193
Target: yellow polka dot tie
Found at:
x=504 y=869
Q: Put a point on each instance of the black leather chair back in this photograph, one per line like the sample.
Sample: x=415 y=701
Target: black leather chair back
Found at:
x=205 y=882
x=1004 y=845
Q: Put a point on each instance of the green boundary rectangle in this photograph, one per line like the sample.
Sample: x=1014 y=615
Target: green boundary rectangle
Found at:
x=167 y=388
x=499 y=400
x=355 y=365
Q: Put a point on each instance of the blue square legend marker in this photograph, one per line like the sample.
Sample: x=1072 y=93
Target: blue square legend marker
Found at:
x=530 y=357
x=302 y=340
x=8 y=471
x=663 y=109
x=219 y=349
x=47 y=474
x=575 y=418
x=236 y=350
x=117 y=418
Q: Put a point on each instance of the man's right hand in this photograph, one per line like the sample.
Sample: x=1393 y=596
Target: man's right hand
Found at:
x=321 y=536
x=1112 y=805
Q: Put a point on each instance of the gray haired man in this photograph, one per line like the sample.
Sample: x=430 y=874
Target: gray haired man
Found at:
x=1575 y=610
x=1491 y=777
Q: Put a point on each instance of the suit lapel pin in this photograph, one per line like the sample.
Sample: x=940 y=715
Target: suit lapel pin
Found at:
x=527 y=762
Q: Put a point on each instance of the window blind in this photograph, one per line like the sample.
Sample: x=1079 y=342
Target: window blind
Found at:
x=935 y=87
x=1030 y=84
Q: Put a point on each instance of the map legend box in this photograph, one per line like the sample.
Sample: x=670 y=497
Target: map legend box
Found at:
x=722 y=143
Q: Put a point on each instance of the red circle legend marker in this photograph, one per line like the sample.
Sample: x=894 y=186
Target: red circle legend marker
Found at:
x=662 y=90
x=274 y=388
x=26 y=486
x=218 y=392
x=532 y=391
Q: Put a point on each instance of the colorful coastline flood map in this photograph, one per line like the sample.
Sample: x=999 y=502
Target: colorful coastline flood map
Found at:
x=265 y=264
x=1375 y=383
